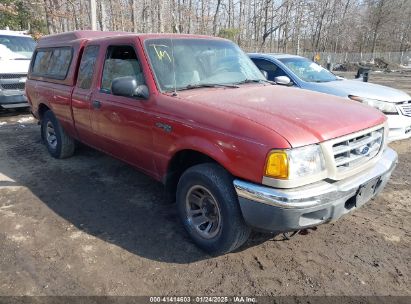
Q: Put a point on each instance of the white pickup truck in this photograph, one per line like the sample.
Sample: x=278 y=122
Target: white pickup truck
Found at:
x=16 y=49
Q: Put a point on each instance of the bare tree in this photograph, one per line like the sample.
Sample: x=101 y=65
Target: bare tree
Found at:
x=295 y=26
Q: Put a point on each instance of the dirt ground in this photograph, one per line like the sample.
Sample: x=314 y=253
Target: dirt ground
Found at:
x=91 y=225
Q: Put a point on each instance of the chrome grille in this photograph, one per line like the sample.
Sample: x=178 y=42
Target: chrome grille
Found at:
x=12 y=81
x=12 y=76
x=357 y=150
x=406 y=108
x=13 y=86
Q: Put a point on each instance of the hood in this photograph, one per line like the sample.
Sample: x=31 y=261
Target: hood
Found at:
x=14 y=66
x=12 y=62
x=301 y=117
x=347 y=87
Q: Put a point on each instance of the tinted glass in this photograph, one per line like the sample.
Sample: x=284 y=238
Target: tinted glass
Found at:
x=178 y=63
x=86 y=70
x=120 y=61
x=271 y=68
x=59 y=63
x=41 y=63
x=52 y=63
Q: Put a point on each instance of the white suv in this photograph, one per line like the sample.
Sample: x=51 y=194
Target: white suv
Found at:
x=16 y=49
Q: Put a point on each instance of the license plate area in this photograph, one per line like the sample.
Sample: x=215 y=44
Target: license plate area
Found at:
x=367 y=191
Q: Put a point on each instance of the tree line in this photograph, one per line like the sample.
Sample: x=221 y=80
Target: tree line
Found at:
x=289 y=26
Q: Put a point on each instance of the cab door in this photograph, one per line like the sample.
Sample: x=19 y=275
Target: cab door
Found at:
x=81 y=97
x=123 y=123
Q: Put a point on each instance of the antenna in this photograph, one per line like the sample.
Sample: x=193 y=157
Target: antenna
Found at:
x=174 y=68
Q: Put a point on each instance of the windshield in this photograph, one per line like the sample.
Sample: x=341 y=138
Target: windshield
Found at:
x=308 y=70
x=199 y=62
x=19 y=47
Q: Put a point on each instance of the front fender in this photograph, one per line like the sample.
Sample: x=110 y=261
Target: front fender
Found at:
x=240 y=157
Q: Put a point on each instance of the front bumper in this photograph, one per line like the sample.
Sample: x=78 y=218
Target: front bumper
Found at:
x=15 y=99
x=399 y=127
x=281 y=210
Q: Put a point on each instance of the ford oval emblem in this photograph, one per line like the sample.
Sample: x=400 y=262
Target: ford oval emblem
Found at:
x=362 y=150
x=365 y=150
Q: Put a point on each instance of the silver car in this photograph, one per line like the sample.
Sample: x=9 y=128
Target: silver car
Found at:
x=303 y=73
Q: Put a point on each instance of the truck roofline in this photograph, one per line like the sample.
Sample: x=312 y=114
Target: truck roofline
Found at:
x=87 y=35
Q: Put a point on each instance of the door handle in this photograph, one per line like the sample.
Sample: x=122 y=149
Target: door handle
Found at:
x=96 y=104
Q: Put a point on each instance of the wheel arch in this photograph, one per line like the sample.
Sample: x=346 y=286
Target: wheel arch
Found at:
x=42 y=108
x=179 y=163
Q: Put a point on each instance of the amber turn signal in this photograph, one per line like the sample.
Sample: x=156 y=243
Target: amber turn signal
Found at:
x=277 y=165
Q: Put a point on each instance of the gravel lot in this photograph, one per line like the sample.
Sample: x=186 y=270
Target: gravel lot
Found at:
x=91 y=225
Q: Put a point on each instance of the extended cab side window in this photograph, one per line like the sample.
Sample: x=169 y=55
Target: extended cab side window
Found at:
x=120 y=61
x=272 y=69
x=87 y=64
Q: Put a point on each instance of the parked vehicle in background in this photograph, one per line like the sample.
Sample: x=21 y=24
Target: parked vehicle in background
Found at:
x=301 y=72
x=234 y=151
x=16 y=49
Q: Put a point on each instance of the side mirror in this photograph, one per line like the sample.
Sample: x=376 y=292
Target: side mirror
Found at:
x=127 y=86
x=283 y=80
x=142 y=91
x=264 y=73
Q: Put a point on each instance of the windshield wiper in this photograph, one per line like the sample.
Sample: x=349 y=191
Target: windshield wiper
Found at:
x=322 y=81
x=255 y=81
x=207 y=85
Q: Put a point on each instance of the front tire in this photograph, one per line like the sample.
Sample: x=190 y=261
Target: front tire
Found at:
x=58 y=142
x=209 y=209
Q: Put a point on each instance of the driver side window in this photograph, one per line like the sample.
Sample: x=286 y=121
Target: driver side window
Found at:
x=120 y=61
x=271 y=68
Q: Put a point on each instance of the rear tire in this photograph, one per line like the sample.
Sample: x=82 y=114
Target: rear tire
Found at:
x=205 y=193
x=58 y=142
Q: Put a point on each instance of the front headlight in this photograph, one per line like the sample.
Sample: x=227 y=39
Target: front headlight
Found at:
x=383 y=106
x=295 y=163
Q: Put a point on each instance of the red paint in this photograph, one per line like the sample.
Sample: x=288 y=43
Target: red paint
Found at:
x=235 y=127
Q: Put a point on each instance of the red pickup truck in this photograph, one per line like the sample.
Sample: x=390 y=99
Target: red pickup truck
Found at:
x=235 y=151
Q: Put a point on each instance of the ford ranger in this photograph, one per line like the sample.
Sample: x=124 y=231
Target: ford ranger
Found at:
x=234 y=151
